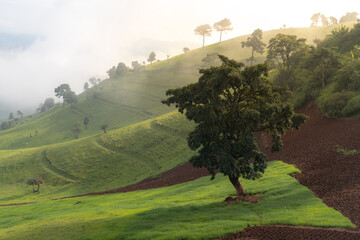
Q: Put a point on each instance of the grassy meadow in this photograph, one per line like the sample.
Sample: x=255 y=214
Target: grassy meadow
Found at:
x=192 y=210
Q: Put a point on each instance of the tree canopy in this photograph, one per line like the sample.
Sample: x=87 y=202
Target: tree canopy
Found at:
x=282 y=47
x=152 y=57
x=228 y=104
x=254 y=41
x=222 y=26
x=203 y=30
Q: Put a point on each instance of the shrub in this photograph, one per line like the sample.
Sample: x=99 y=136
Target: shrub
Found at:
x=332 y=104
x=352 y=107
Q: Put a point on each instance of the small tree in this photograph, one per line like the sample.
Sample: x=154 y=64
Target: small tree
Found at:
x=315 y=19
x=49 y=103
x=136 y=66
x=35 y=181
x=185 y=49
x=324 y=20
x=203 y=30
x=11 y=116
x=104 y=127
x=152 y=57
x=61 y=90
x=222 y=26
x=121 y=69
x=77 y=129
x=229 y=104
x=210 y=60
x=333 y=20
x=254 y=41
x=86 y=122
x=112 y=72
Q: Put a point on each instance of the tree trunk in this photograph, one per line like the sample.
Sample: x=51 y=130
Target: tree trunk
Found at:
x=105 y=131
x=220 y=35
x=203 y=41
x=34 y=188
x=239 y=188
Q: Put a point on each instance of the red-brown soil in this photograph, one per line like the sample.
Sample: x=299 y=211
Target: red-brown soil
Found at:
x=328 y=174
x=331 y=176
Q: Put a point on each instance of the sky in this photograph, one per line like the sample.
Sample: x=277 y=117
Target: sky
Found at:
x=79 y=39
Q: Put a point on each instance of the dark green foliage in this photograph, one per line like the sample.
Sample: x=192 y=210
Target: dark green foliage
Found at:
x=104 y=127
x=7 y=124
x=352 y=107
x=61 y=90
x=86 y=121
x=333 y=104
x=112 y=72
x=282 y=47
x=228 y=104
x=121 y=69
x=254 y=41
x=35 y=181
x=70 y=97
x=86 y=86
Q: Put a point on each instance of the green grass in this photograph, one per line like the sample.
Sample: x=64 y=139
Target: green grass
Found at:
x=96 y=163
x=192 y=210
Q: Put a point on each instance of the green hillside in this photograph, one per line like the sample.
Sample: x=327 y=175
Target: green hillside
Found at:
x=192 y=210
x=105 y=161
x=133 y=98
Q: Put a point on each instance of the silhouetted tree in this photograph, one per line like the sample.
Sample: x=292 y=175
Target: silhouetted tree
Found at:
x=49 y=103
x=35 y=181
x=93 y=81
x=121 y=69
x=203 y=30
x=77 y=129
x=136 y=66
x=104 y=127
x=62 y=90
x=229 y=104
x=112 y=72
x=222 y=26
x=282 y=47
x=254 y=41
x=324 y=20
x=86 y=122
x=11 y=116
x=333 y=20
x=349 y=17
x=20 y=114
x=86 y=86
x=185 y=49
x=315 y=19
x=152 y=57
x=70 y=97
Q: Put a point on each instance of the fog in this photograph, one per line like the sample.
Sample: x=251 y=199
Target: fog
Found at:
x=79 y=39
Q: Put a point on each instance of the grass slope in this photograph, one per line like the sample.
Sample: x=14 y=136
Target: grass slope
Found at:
x=191 y=210
x=135 y=97
x=102 y=162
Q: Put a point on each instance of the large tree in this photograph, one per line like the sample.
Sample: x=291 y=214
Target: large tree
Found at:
x=61 y=90
x=222 y=26
x=229 y=104
x=254 y=41
x=282 y=47
x=333 y=20
x=203 y=30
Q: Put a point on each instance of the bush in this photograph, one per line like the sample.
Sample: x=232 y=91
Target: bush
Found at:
x=352 y=107
x=332 y=104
